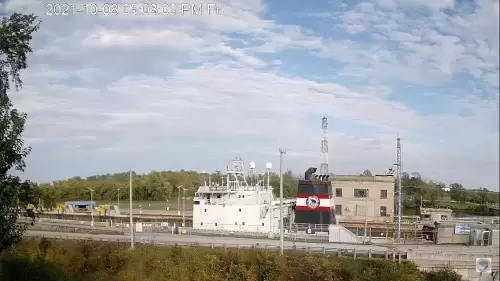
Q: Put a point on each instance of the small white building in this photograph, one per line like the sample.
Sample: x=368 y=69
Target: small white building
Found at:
x=234 y=205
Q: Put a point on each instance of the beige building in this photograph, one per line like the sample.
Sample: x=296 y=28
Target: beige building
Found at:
x=360 y=198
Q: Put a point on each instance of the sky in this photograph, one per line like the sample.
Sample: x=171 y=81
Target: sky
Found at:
x=108 y=90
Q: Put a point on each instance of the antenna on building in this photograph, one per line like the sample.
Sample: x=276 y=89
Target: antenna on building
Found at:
x=269 y=166
x=399 y=164
x=324 y=147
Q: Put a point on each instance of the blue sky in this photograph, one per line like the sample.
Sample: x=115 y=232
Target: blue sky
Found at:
x=112 y=92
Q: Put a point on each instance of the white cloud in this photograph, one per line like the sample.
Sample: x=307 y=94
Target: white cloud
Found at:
x=108 y=93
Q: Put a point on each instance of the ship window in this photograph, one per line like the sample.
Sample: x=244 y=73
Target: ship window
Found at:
x=215 y=224
x=205 y=210
x=240 y=210
x=360 y=193
x=243 y=223
x=338 y=192
x=235 y=223
x=197 y=202
x=338 y=209
x=262 y=224
x=242 y=196
x=201 y=223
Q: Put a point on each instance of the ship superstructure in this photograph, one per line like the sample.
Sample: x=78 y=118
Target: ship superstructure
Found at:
x=238 y=203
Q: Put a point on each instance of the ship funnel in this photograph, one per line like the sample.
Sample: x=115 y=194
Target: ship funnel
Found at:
x=308 y=173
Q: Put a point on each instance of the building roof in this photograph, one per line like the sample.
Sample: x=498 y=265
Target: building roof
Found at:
x=376 y=178
x=79 y=203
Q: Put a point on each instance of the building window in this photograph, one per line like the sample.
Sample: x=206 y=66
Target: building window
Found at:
x=338 y=209
x=360 y=193
x=218 y=196
x=240 y=210
x=338 y=192
x=383 y=211
x=383 y=194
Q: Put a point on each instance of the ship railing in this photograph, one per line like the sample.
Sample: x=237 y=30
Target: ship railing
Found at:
x=307 y=227
x=343 y=250
x=236 y=227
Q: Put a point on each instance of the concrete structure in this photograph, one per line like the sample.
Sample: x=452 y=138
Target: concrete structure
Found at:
x=462 y=259
x=79 y=206
x=364 y=198
x=340 y=234
x=432 y=215
x=466 y=233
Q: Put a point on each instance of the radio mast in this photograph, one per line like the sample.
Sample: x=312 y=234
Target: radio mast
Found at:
x=324 y=147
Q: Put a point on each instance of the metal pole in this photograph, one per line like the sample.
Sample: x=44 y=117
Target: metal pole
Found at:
x=118 y=198
x=400 y=191
x=179 y=201
x=282 y=232
x=183 y=207
x=132 y=242
x=92 y=205
x=366 y=213
x=271 y=198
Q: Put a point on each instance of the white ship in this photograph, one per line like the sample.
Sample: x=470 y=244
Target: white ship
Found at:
x=239 y=203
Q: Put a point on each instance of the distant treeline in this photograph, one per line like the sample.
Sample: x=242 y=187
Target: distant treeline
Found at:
x=69 y=260
x=162 y=186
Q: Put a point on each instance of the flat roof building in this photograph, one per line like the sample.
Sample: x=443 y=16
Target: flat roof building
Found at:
x=360 y=198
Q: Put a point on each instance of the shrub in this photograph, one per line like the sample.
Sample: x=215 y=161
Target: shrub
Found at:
x=18 y=268
x=445 y=274
x=96 y=261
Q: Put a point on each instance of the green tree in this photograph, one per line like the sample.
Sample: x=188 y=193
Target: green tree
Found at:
x=15 y=37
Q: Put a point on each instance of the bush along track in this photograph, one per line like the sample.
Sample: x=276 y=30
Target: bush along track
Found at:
x=44 y=259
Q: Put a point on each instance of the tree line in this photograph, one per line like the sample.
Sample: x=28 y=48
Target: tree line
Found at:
x=164 y=185
x=154 y=186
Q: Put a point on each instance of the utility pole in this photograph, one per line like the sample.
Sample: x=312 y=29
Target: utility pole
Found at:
x=400 y=191
x=269 y=165
x=183 y=207
x=91 y=206
x=282 y=231
x=118 y=189
x=179 y=200
x=132 y=242
x=366 y=213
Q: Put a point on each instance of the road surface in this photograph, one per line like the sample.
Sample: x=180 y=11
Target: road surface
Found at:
x=163 y=238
